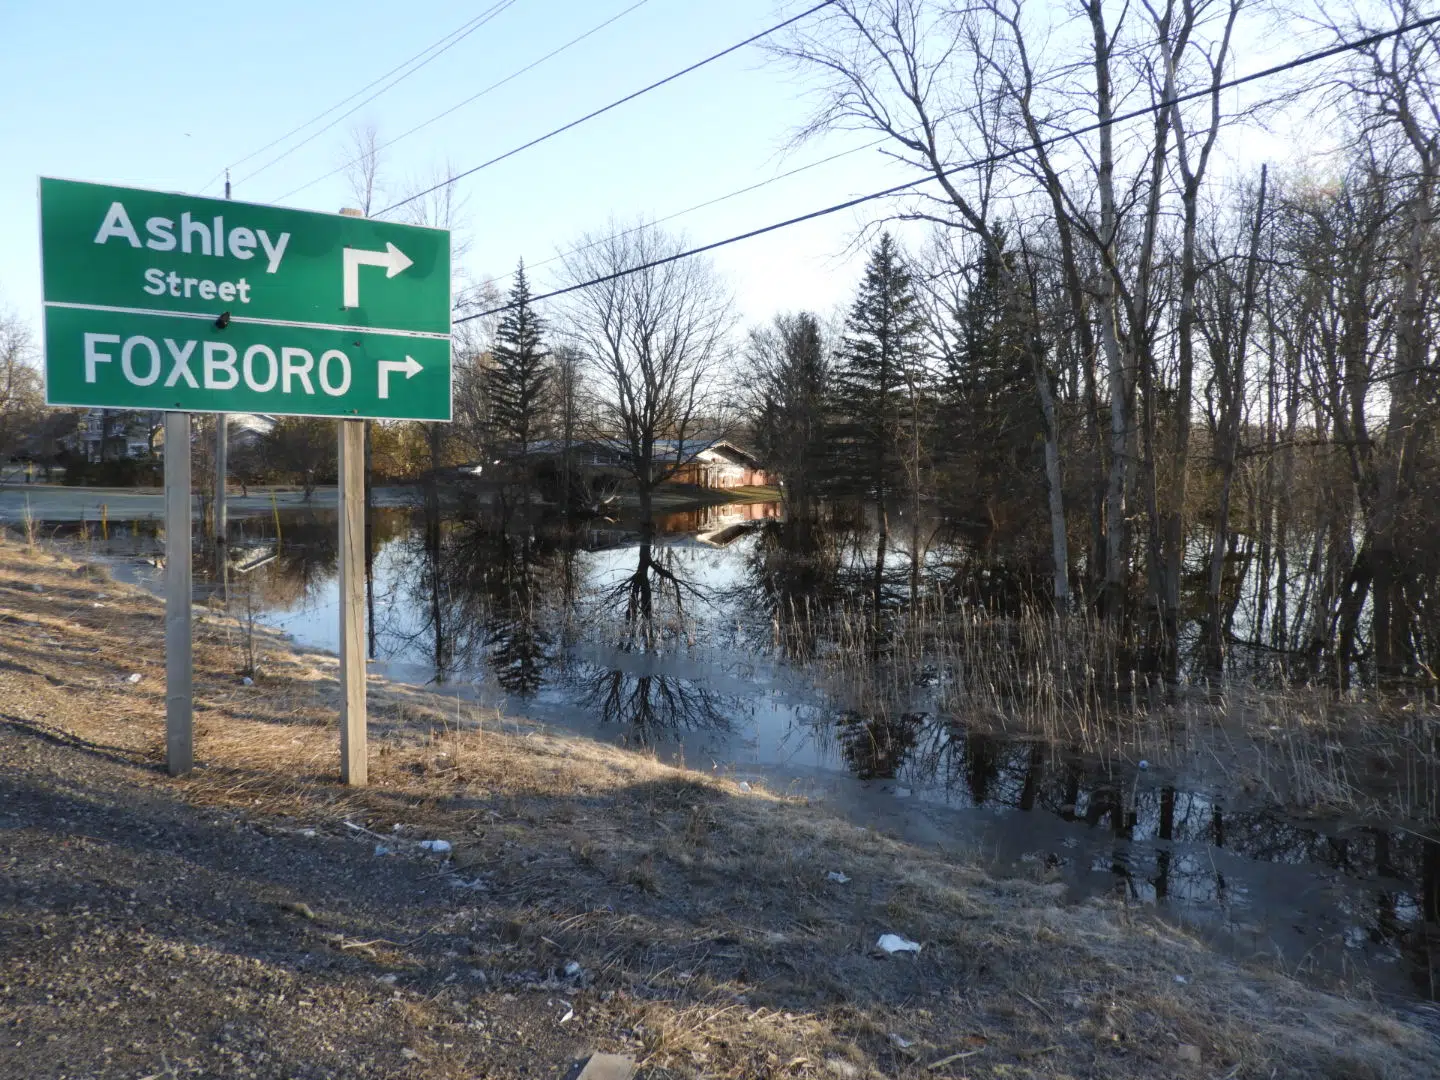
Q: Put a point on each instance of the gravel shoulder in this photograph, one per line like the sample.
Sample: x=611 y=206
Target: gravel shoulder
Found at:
x=240 y=922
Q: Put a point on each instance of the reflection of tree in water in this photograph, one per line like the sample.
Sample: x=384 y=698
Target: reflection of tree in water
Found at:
x=512 y=581
x=478 y=595
x=301 y=560
x=875 y=747
x=635 y=694
x=791 y=584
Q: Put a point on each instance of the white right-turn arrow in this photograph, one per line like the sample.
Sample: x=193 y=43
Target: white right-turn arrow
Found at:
x=392 y=259
x=410 y=366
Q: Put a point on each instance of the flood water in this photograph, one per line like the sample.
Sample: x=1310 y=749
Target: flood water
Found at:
x=672 y=644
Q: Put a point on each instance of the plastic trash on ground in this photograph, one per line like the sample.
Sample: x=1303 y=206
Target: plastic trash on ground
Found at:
x=894 y=943
x=837 y=877
x=572 y=969
x=744 y=785
x=440 y=847
x=134 y=678
x=381 y=849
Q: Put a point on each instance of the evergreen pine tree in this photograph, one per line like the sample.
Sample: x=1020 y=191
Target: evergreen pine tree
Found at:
x=877 y=369
x=789 y=375
x=989 y=421
x=521 y=374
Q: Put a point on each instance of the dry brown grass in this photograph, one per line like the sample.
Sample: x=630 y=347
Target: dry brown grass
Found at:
x=1367 y=752
x=701 y=913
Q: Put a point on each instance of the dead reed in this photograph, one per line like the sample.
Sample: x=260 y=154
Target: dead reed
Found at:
x=1060 y=679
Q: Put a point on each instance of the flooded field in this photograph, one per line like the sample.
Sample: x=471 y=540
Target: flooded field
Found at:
x=703 y=641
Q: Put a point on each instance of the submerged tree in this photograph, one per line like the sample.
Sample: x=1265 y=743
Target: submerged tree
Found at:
x=653 y=338
x=989 y=423
x=788 y=378
x=876 y=434
x=520 y=376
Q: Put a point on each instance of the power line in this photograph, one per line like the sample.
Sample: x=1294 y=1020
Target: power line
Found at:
x=990 y=159
x=606 y=108
x=474 y=97
x=701 y=206
x=481 y=20
x=497 y=9
x=463 y=29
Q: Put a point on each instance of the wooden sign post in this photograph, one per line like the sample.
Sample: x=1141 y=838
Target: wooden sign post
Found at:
x=353 y=758
x=179 y=663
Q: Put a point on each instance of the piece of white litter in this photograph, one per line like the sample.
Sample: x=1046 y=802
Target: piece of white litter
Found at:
x=1181 y=979
x=893 y=943
x=440 y=847
x=569 y=1012
x=381 y=849
x=134 y=678
x=837 y=877
x=397 y=827
x=900 y=1041
x=744 y=785
x=309 y=834
x=389 y=980
x=247 y=681
x=572 y=969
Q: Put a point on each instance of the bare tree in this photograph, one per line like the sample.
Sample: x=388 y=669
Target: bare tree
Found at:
x=438 y=204
x=654 y=340
x=1227 y=308
x=20 y=389
x=362 y=166
x=920 y=72
x=1395 y=87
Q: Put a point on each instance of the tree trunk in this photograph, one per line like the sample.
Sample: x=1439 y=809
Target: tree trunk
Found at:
x=1231 y=377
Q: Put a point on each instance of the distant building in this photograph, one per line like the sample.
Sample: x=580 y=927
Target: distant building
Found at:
x=248 y=429
x=722 y=464
x=112 y=434
x=710 y=463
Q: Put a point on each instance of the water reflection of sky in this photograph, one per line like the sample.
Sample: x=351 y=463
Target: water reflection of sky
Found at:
x=668 y=647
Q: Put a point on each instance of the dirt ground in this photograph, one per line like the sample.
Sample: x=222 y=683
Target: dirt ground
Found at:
x=259 y=920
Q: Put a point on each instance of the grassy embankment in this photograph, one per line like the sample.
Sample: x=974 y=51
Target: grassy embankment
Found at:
x=239 y=922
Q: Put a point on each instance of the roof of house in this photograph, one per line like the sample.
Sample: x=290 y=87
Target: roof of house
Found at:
x=665 y=449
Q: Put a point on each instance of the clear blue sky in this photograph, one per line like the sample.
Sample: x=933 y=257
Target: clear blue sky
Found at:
x=165 y=94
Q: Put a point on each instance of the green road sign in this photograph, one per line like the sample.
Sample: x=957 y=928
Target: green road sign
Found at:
x=163 y=301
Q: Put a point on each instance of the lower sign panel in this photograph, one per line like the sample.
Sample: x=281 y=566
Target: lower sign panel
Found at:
x=129 y=360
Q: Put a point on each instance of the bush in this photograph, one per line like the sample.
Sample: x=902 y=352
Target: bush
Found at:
x=124 y=472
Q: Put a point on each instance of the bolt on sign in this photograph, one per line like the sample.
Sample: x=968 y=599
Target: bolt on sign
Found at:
x=175 y=302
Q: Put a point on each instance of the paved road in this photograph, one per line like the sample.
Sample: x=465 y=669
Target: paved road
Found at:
x=48 y=502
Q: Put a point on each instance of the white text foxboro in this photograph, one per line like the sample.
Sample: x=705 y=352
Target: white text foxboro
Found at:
x=221 y=366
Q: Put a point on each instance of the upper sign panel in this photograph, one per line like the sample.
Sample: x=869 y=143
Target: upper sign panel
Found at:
x=138 y=250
